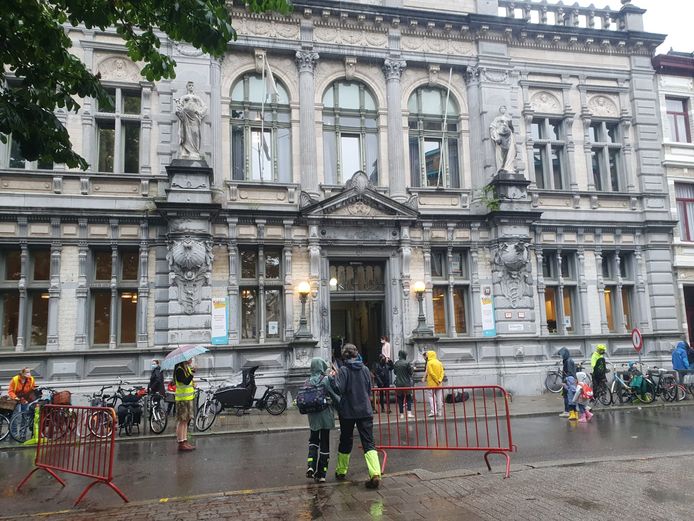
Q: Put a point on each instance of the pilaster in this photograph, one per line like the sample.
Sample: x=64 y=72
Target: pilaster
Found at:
x=306 y=64
x=392 y=68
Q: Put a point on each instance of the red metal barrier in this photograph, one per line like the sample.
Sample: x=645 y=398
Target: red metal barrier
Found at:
x=77 y=440
x=481 y=422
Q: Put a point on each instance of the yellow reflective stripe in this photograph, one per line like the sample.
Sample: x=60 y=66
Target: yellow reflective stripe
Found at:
x=185 y=392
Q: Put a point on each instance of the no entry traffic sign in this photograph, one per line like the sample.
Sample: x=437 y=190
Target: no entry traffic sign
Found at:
x=637 y=339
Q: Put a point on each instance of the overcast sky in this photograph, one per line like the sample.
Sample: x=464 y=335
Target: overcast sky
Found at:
x=672 y=17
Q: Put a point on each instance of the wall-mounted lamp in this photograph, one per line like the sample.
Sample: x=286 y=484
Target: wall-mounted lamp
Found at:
x=333 y=284
x=419 y=287
x=303 y=289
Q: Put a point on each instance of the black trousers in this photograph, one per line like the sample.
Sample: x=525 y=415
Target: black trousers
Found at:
x=321 y=438
x=365 y=428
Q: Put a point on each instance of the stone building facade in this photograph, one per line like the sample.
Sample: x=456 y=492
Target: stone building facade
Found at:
x=675 y=72
x=348 y=145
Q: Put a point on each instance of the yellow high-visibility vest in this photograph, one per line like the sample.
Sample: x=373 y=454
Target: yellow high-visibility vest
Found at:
x=184 y=392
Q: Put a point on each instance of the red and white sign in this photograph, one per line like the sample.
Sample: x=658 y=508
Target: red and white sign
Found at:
x=637 y=339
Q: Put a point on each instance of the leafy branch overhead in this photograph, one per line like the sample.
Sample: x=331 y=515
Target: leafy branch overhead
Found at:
x=44 y=76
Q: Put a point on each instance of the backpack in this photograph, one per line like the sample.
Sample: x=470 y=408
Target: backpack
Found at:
x=312 y=397
x=459 y=397
x=586 y=392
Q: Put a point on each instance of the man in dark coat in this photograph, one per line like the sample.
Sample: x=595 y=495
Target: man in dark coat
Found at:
x=353 y=382
x=569 y=369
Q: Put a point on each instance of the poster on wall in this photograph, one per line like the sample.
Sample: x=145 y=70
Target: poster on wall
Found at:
x=219 y=321
x=487 y=304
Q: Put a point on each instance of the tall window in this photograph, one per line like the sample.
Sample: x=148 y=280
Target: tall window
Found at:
x=10 y=272
x=261 y=293
x=118 y=132
x=618 y=273
x=350 y=132
x=433 y=134
x=559 y=272
x=684 y=195
x=549 y=157
x=678 y=120
x=606 y=156
x=39 y=281
x=16 y=158
x=126 y=274
x=450 y=294
x=260 y=152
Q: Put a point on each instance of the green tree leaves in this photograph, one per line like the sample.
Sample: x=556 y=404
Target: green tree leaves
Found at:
x=45 y=76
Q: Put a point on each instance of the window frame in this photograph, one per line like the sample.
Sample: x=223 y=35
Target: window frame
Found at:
x=563 y=282
x=545 y=142
x=120 y=121
x=334 y=128
x=278 y=117
x=421 y=130
x=672 y=117
x=603 y=149
x=9 y=286
x=449 y=283
x=683 y=208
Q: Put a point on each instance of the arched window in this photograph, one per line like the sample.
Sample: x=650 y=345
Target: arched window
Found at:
x=350 y=132
x=260 y=132
x=433 y=124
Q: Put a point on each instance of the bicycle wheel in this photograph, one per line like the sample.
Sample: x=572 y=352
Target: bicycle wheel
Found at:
x=681 y=392
x=206 y=415
x=553 y=382
x=157 y=418
x=128 y=423
x=22 y=426
x=604 y=395
x=669 y=389
x=54 y=425
x=100 y=424
x=276 y=403
x=4 y=427
x=647 y=396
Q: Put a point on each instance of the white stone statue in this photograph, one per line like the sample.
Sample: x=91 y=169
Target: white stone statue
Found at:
x=501 y=131
x=190 y=110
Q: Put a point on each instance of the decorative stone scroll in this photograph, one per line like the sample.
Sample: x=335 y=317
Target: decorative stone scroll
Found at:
x=512 y=272
x=116 y=68
x=393 y=67
x=190 y=265
x=603 y=106
x=545 y=102
x=306 y=60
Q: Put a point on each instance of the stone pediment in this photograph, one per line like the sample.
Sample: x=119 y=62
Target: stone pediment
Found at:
x=360 y=200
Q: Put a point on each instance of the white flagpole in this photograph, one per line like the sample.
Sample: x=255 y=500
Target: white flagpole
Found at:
x=443 y=155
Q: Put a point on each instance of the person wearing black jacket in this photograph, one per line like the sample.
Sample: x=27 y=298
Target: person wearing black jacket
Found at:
x=569 y=369
x=382 y=373
x=156 y=380
x=353 y=382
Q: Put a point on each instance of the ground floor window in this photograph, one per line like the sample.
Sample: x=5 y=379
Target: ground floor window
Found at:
x=9 y=308
x=454 y=301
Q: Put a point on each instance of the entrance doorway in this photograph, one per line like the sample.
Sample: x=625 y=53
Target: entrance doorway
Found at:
x=357 y=303
x=689 y=307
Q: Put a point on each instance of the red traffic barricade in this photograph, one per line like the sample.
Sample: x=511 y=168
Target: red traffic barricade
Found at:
x=77 y=440
x=470 y=418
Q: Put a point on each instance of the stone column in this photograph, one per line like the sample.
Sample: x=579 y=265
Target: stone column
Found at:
x=306 y=63
x=620 y=324
x=405 y=257
x=215 y=118
x=601 y=293
x=233 y=284
x=143 y=287
x=54 y=289
x=113 y=323
x=23 y=315
x=583 y=292
x=146 y=125
x=288 y=281
x=475 y=287
x=544 y=331
x=640 y=298
x=472 y=80
x=393 y=67
x=314 y=279
x=82 y=317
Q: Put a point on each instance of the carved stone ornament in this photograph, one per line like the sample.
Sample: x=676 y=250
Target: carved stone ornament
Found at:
x=306 y=60
x=393 y=67
x=350 y=67
x=118 y=68
x=602 y=106
x=305 y=199
x=360 y=181
x=434 y=74
x=190 y=111
x=512 y=271
x=502 y=133
x=185 y=49
x=495 y=75
x=545 y=102
x=190 y=265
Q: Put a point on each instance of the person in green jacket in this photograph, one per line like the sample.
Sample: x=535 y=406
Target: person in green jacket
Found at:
x=320 y=424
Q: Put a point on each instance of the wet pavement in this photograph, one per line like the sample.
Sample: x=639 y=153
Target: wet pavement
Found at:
x=151 y=469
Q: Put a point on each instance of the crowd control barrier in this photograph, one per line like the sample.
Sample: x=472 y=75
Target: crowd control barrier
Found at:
x=466 y=418
x=77 y=440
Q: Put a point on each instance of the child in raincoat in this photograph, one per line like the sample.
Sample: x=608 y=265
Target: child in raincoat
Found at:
x=582 y=397
x=570 y=390
x=320 y=423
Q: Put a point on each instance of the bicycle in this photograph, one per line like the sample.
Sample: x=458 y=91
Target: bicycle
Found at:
x=7 y=407
x=554 y=381
x=206 y=414
x=625 y=392
x=22 y=424
x=665 y=384
x=100 y=423
x=130 y=409
x=156 y=411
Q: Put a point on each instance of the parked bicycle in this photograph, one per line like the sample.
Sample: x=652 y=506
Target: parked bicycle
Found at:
x=665 y=384
x=7 y=407
x=630 y=384
x=156 y=411
x=554 y=381
x=240 y=398
x=100 y=423
x=57 y=425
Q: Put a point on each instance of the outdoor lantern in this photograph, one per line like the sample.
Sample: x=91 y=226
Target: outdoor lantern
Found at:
x=304 y=288
x=422 y=329
x=419 y=288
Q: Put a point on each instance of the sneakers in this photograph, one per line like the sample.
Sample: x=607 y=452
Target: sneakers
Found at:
x=564 y=415
x=410 y=415
x=402 y=416
x=373 y=483
x=184 y=446
x=320 y=480
x=431 y=414
x=310 y=473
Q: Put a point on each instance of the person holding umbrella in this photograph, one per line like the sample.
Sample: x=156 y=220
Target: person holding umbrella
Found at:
x=182 y=361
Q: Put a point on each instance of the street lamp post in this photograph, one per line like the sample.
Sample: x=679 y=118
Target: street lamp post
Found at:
x=421 y=329
x=303 y=332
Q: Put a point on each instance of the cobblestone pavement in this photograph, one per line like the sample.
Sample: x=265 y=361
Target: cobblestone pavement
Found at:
x=654 y=489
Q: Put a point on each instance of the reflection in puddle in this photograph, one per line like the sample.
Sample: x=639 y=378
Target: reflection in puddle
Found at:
x=376 y=510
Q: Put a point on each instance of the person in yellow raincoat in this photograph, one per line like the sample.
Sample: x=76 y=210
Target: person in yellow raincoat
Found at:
x=433 y=377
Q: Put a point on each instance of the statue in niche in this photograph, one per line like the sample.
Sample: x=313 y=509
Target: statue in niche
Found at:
x=190 y=110
x=190 y=263
x=512 y=271
x=501 y=131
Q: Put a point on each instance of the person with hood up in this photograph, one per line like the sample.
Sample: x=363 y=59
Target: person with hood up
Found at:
x=680 y=360
x=382 y=375
x=433 y=377
x=598 y=366
x=569 y=369
x=353 y=382
x=570 y=387
x=582 y=396
x=404 y=371
x=320 y=423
